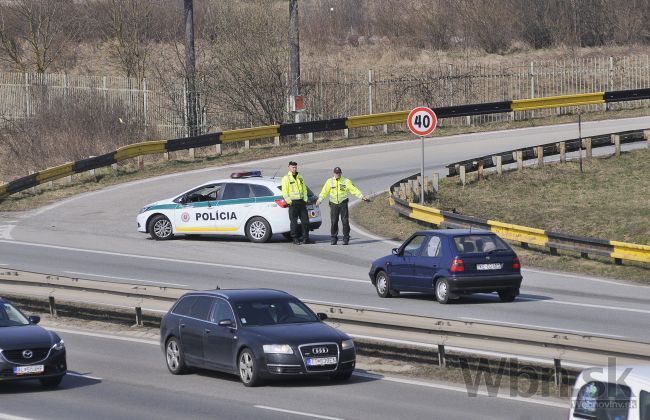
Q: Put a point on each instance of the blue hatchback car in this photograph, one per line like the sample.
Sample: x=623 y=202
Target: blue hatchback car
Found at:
x=449 y=263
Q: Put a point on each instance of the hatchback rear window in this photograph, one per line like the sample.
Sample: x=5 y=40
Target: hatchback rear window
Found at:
x=476 y=244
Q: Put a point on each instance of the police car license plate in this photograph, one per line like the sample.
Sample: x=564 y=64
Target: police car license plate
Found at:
x=493 y=266
x=321 y=361
x=29 y=370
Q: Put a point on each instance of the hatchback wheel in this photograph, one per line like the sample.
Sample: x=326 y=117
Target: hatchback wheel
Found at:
x=258 y=230
x=248 y=371
x=382 y=284
x=508 y=295
x=160 y=228
x=175 y=356
x=442 y=291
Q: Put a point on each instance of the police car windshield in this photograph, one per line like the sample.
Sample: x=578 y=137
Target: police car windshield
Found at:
x=11 y=317
x=273 y=312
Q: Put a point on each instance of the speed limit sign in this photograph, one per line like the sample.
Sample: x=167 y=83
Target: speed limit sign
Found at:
x=422 y=121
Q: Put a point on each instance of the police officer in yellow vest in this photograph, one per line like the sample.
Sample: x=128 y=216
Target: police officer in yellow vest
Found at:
x=337 y=188
x=294 y=191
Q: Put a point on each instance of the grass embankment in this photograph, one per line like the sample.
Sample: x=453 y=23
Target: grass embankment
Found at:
x=609 y=200
x=127 y=171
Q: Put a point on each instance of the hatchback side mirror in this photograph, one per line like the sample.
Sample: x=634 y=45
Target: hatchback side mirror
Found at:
x=395 y=251
x=34 y=319
x=322 y=316
x=225 y=323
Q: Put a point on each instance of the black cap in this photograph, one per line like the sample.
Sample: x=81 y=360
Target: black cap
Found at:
x=292 y=163
x=337 y=170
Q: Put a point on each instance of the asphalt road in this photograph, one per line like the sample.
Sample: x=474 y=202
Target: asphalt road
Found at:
x=127 y=379
x=94 y=236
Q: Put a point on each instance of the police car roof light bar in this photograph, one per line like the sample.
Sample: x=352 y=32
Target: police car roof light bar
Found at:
x=246 y=174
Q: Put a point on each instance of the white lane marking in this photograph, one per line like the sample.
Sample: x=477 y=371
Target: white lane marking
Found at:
x=5 y=232
x=590 y=305
x=4 y=416
x=78 y=375
x=587 y=305
x=106 y=336
x=174 y=260
x=3 y=265
x=298 y=413
x=459 y=389
x=515 y=324
x=126 y=278
x=344 y=304
x=575 y=276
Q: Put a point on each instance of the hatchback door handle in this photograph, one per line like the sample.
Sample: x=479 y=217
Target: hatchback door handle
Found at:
x=182 y=325
x=207 y=331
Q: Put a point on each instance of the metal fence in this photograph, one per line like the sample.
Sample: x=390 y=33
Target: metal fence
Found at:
x=332 y=93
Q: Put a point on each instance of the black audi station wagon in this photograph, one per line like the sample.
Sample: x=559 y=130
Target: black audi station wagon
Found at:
x=28 y=351
x=254 y=333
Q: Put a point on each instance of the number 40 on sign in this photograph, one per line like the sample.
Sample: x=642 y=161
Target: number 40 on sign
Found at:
x=422 y=121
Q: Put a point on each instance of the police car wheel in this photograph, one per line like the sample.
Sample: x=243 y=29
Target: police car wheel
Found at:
x=160 y=228
x=258 y=230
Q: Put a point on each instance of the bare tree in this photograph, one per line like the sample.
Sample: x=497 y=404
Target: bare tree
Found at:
x=34 y=34
x=128 y=26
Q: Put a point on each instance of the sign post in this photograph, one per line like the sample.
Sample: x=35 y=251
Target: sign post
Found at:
x=422 y=121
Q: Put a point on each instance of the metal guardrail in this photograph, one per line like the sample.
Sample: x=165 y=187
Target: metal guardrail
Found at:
x=548 y=149
x=379 y=325
x=619 y=251
x=275 y=131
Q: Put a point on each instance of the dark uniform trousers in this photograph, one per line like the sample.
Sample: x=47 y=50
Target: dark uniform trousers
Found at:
x=341 y=210
x=298 y=210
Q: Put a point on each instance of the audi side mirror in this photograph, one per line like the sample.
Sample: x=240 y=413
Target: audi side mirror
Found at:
x=34 y=319
x=183 y=199
x=322 y=316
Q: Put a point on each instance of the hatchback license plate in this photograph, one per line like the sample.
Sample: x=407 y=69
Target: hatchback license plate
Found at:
x=29 y=370
x=321 y=361
x=493 y=266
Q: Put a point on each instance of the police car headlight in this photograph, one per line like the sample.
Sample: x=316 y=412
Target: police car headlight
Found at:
x=347 y=344
x=58 y=346
x=143 y=209
x=277 y=348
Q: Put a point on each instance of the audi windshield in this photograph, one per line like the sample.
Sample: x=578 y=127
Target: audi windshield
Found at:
x=273 y=312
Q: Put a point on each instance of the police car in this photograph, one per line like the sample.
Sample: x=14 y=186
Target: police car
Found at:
x=246 y=204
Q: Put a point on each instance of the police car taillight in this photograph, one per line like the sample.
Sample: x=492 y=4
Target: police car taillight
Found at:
x=280 y=202
x=245 y=174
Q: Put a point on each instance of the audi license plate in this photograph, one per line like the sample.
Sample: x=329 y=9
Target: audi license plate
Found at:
x=493 y=266
x=29 y=370
x=321 y=361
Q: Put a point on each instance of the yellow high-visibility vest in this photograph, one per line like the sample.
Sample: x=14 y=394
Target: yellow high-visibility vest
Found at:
x=338 y=190
x=293 y=188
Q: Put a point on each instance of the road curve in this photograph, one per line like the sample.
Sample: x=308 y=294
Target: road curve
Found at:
x=93 y=236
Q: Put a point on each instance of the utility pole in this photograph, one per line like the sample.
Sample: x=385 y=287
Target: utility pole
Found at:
x=190 y=70
x=294 y=54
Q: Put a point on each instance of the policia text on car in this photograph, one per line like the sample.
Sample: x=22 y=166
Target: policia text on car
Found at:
x=337 y=189
x=294 y=191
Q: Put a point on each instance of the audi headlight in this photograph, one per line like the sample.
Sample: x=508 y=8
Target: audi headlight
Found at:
x=347 y=344
x=277 y=348
x=58 y=346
